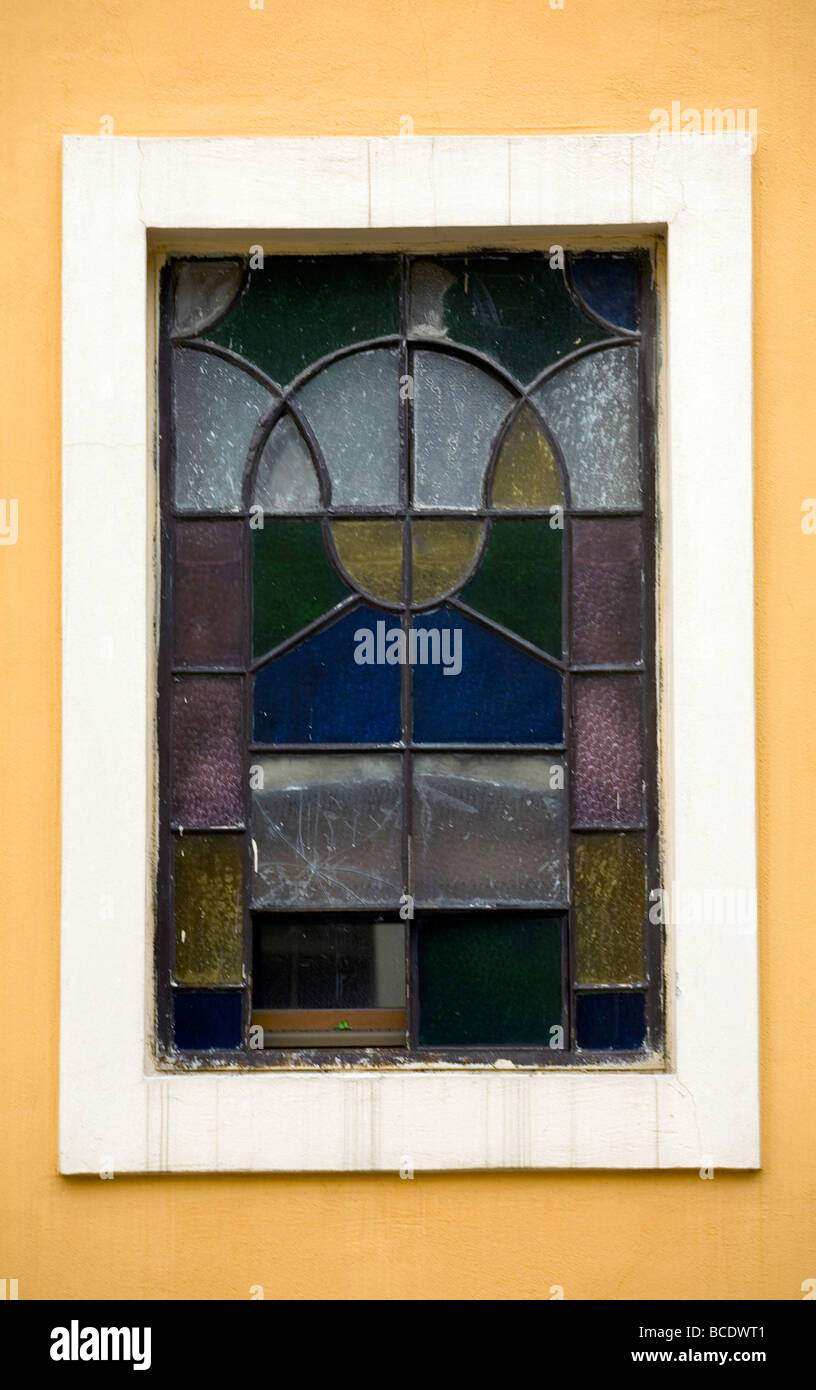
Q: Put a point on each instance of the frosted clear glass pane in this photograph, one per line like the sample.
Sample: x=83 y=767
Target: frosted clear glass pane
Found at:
x=489 y=829
x=286 y=480
x=591 y=407
x=353 y=408
x=430 y=282
x=457 y=410
x=217 y=407
x=328 y=831
x=204 y=292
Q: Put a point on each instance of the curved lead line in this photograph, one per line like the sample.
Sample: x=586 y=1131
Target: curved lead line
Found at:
x=461 y=583
x=632 y=341
x=501 y=435
x=278 y=411
x=578 y=298
x=281 y=405
x=223 y=313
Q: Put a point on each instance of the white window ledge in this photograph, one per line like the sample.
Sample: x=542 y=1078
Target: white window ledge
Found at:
x=116 y=1111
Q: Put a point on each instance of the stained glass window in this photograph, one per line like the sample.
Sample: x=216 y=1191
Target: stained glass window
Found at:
x=407 y=697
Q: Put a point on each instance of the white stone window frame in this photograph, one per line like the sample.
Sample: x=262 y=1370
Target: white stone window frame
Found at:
x=117 y=1111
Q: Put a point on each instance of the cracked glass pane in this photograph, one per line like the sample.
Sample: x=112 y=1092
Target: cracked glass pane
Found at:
x=328 y=831
x=489 y=829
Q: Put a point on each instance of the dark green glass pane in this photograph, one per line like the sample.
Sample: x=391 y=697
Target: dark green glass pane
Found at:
x=518 y=583
x=293 y=581
x=298 y=309
x=489 y=984
x=513 y=308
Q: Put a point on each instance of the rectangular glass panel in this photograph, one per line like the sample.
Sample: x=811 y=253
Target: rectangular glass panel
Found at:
x=208 y=909
x=607 y=591
x=208 y=594
x=207 y=1019
x=610 y=1021
x=610 y=908
x=489 y=981
x=328 y=830
x=489 y=830
x=608 y=743
x=207 y=751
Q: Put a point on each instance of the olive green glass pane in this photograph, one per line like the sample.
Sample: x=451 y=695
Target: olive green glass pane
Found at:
x=208 y=884
x=371 y=555
x=443 y=554
x=526 y=473
x=298 y=309
x=293 y=581
x=610 y=908
x=514 y=308
x=352 y=409
x=489 y=983
x=518 y=583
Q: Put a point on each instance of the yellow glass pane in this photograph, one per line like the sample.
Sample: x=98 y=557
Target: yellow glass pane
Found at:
x=526 y=473
x=443 y=553
x=610 y=908
x=371 y=555
x=207 y=890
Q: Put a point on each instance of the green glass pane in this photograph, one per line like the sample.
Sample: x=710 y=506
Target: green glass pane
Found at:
x=298 y=309
x=610 y=908
x=513 y=308
x=518 y=583
x=208 y=884
x=293 y=581
x=489 y=984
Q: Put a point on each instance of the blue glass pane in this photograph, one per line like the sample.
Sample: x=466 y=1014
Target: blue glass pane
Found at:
x=610 y=1022
x=318 y=693
x=500 y=695
x=207 y=1019
x=608 y=286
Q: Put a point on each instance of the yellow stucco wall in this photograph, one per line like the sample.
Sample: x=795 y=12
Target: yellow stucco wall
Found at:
x=211 y=67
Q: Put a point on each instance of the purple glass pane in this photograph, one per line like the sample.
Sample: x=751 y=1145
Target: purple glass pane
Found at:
x=608 y=741
x=208 y=594
x=207 y=737
x=607 y=591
